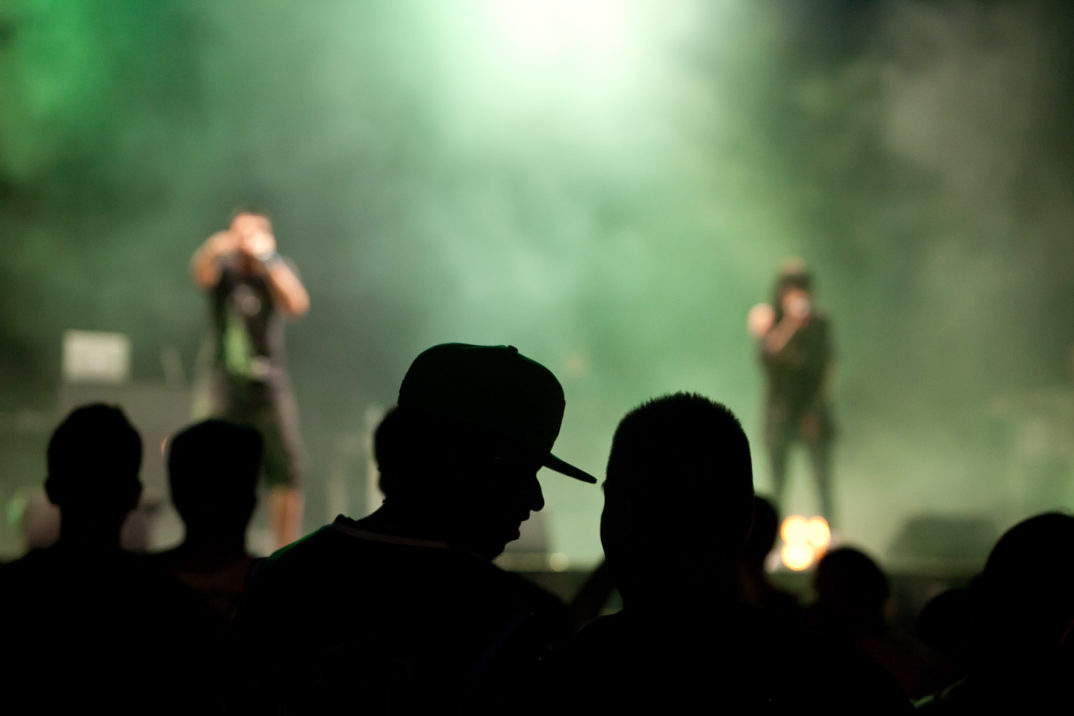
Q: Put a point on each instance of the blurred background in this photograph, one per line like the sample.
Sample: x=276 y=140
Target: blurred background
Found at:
x=608 y=185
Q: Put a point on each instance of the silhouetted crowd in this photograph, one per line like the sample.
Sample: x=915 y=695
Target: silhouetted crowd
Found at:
x=404 y=612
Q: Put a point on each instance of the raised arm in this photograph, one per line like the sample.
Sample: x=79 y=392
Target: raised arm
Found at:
x=796 y=313
x=258 y=244
x=288 y=293
x=776 y=339
x=205 y=265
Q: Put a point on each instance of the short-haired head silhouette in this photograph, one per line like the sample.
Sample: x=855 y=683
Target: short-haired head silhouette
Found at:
x=94 y=457
x=678 y=498
x=1027 y=587
x=212 y=473
x=460 y=452
x=852 y=590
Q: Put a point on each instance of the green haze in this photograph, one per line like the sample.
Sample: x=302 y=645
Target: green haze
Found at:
x=607 y=185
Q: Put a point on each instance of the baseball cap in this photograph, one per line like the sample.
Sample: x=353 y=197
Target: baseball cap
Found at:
x=495 y=390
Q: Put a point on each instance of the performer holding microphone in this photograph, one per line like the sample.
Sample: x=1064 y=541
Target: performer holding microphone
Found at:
x=251 y=290
x=796 y=354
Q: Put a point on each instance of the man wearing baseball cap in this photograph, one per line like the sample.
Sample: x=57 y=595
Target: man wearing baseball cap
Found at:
x=403 y=610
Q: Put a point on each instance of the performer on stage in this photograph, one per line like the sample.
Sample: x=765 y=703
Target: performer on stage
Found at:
x=252 y=289
x=796 y=353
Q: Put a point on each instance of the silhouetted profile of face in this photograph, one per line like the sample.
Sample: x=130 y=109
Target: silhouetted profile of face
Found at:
x=465 y=484
x=463 y=446
x=504 y=491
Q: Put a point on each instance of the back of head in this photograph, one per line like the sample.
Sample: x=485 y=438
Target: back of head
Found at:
x=1027 y=587
x=678 y=493
x=212 y=472
x=852 y=588
x=94 y=457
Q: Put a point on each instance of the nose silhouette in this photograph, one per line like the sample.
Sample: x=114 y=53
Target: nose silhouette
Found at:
x=537 y=497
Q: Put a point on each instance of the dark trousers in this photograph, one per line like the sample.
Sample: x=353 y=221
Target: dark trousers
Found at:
x=820 y=453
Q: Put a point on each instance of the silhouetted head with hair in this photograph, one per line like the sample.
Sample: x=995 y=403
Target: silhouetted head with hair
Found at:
x=678 y=498
x=851 y=589
x=1026 y=590
x=459 y=455
x=93 y=461
x=212 y=473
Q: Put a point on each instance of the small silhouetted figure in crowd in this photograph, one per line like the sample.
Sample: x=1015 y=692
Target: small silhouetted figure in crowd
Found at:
x=403 y=611
x=851 y=608
x=213 y=468
x=755 y=587
x=678 y=507
x=1023 y=637
x=93 y=627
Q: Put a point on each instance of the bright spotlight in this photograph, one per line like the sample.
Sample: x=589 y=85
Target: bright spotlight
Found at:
x=554 y=26
x=794 y=529
x=797 y=556
x=804 y=541
x=818 y=534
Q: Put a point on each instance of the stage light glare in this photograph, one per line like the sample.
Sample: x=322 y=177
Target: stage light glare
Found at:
x=794 y=529
x=797 y=556
x=818 y=533
x=553 y=26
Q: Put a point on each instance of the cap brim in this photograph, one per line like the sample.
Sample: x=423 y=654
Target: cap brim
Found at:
x=554 y=463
